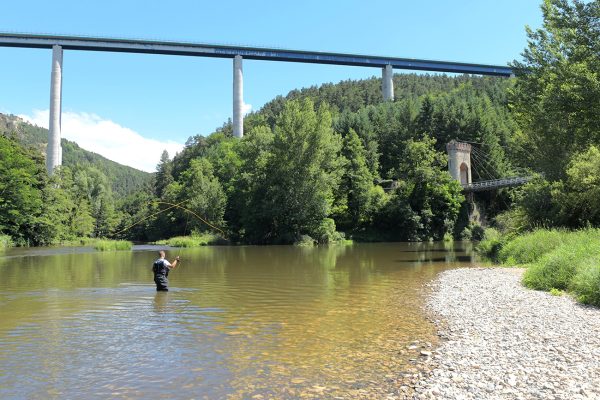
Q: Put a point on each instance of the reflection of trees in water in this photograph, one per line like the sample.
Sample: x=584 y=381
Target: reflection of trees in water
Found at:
x=280 y=318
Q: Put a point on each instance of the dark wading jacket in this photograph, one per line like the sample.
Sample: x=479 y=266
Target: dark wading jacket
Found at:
x=161 y=267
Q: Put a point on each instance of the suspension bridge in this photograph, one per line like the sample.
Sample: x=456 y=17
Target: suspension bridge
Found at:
x=462 y=157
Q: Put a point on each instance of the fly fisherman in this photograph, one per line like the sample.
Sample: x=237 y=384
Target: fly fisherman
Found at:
x=161 y=268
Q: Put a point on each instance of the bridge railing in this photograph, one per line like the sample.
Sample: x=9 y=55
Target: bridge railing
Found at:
x=496 y=183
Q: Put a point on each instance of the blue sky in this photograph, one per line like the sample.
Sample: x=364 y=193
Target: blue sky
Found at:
x=159 y=101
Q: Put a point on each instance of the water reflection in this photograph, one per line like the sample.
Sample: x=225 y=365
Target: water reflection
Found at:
x=277 y=321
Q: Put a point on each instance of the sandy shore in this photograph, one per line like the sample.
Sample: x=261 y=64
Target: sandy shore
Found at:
x=503 y=341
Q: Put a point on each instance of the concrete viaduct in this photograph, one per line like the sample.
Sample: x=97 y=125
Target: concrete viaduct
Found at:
x=237 y=53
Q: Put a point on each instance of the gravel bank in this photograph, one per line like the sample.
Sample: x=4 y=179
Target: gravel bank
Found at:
x=503 y=341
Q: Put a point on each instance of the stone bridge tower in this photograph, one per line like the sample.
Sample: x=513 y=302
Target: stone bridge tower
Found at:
x=459 y=161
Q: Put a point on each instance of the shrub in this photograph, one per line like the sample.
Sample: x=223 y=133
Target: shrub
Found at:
x=477 y=232
x=304 y=240
x=491 y=243
x=326 y=232
x=530 y=247
x=586 y=282
x=6 y=241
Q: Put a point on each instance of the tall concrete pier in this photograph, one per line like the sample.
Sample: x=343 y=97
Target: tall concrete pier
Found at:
x=238 y=97
x=54 y=151
x=387 y=83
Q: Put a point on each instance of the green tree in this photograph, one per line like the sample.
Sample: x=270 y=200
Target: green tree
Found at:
x=556 y=99
x=303 y=170
x=22 y=182
x=426 y=203
x=581 y=197
x=357 y=182
x=82 y=222
x=202 y=193
x=92 y=184
x=164 y=174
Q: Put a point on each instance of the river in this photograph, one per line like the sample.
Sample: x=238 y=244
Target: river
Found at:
x=238 y=322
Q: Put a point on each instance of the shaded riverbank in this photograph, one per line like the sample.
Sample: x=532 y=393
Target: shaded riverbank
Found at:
x=503 y=341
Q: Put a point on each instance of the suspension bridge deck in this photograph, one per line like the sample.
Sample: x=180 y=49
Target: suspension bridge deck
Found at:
x=496 y=184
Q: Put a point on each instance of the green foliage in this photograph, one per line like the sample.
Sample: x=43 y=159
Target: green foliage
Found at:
x=558 y=86
x=304 y=241
x=310 y=163
x=491 y=243
x=195 y=240
x=112 y=245
x=556 y=292
x=586 y=282
x=356 y=189
x=426 y=204
x=164 y=174
x=6 y=241
x=572 y=202
x=559 y=261
x=473 y=231
x=531 y=247
x=202 y=193
x=294 y=178
x=581 y=197
x=326 y=233
x=558 y=268
x=22 y=179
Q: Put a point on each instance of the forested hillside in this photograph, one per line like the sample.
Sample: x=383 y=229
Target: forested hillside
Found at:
x=124 y=180
x=319 y=161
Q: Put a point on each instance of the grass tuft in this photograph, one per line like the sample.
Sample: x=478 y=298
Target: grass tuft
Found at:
x=195 y=240
x=112 y=245
x=559 y=261
x=531 y=247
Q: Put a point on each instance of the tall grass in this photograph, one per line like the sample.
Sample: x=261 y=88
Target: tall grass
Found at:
x=112 y=245
x=6 y=241
x=195 y=240
x=559 y=260
x=530 y=247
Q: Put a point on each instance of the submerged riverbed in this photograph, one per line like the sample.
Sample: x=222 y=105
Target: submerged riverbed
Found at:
x=238 y=322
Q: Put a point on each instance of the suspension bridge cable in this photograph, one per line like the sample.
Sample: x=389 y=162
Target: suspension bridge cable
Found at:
x=481 y=165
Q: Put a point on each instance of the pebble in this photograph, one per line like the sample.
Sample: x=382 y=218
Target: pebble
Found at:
x=503 y=341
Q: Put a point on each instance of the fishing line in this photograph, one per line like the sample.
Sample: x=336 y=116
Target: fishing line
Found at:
x=184 y=230
x=196 y=215
x=149 y=216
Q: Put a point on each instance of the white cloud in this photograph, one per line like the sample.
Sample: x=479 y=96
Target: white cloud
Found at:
x=246 y=108
x=109 y=139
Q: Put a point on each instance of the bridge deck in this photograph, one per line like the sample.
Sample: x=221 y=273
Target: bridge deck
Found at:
x=496 y=184
x=255 y=53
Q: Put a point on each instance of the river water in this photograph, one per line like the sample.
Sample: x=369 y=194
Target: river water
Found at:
x=238 y=322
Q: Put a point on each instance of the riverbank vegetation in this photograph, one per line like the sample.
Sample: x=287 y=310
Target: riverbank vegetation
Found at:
x=112 y=245
x=5 y=241
x=194 y=240
x=556 y=102
x=557 y=261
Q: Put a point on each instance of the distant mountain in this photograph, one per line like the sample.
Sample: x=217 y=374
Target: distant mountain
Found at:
x=124 y=180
